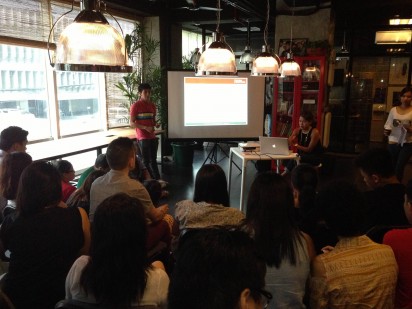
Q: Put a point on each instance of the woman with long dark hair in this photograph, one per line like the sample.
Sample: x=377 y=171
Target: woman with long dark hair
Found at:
x=286 y=250
x=118 y=274
x=13 y=165
x=45 y=239
x=81 y=197
x=210 y=205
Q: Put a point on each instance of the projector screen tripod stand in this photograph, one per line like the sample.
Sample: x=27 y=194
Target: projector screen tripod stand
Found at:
x=212 y=155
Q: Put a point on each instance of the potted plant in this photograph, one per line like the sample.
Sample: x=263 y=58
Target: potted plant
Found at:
x=140 y=41
x=317 y=48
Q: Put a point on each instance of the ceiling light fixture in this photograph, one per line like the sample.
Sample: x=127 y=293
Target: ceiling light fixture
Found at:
x=397 y=20
x=90 y=43
x=290 y=67
x=393 y=37
x=247 y=56
x=265 y=64
x=218 y=59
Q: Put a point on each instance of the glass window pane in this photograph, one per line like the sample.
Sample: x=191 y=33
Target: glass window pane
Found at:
x=79 y=102
x=23 y=91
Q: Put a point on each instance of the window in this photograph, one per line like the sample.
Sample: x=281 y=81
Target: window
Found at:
x=50 y=105
x=191 y=40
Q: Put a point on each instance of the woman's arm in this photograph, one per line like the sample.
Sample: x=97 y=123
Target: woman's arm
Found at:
x=314 y=139
x=293 y=138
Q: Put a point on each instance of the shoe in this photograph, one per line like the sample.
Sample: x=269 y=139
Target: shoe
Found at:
x=163 y=184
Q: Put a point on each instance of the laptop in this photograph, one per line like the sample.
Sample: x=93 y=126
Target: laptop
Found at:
x=274 y=145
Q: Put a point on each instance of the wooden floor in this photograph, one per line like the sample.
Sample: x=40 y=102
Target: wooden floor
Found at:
x=181 y=179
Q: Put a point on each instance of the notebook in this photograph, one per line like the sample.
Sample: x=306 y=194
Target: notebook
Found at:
x=274 y=145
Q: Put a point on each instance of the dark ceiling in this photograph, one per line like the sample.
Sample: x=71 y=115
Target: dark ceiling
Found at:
x=235 y=15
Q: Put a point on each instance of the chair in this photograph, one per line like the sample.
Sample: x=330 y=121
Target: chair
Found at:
x=75 y=304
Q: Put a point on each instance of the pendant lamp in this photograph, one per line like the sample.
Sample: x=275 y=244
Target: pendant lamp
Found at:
x=219 y=58
x=247 y=56
x=90 y=43
x=265 y=64
x=290 y=67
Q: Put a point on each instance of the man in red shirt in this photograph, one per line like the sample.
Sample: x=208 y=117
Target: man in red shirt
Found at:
x=143 y=118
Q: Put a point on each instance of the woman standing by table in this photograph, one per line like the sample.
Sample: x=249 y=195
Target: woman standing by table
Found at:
x=398 y=129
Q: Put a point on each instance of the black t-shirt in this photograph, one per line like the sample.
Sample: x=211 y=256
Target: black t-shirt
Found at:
x=385 y=206
x=43 y=248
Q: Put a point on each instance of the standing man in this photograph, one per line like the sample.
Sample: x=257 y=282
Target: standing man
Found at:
x=143 y=118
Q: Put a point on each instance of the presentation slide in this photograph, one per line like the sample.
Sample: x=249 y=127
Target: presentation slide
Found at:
x=227 y=108
x=215 y=108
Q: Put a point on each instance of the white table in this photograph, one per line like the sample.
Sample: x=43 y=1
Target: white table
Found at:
x=252 y=156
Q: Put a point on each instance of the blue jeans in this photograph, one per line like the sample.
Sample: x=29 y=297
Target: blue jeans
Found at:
x=148 y=148
x=400 y=157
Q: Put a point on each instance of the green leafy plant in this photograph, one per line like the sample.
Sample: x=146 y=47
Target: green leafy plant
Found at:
x=142 y=49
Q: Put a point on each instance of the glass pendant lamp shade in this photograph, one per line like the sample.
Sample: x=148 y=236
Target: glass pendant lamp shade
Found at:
x=247 y=56
x=91 y=44
x=194 y=59
x=218 y=59
x=290 y=68
x=265 y=64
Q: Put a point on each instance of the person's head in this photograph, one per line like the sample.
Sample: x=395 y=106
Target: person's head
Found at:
x=120 y=154
x=408 y=201
x=211 y=185
x=87 y=184
x=270 y=213
x=219 y=269
x=306 y=120
x=13 y=165
x=13 y=139
x=375 y=165
x=144 y=91
x=66 y=170
x=342 y=206
x=39 y=187
x=304 y=180
x=101 y=163
x=117 y=252
x=406 y=95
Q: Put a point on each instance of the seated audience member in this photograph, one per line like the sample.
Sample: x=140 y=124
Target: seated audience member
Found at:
x=81 y=197
x=154 y=187
x=44 y=240
x=386 y=198
x=67 y=174
x=99 y=164
x=12 y=167
x=219 y=269
x=11 y=139
x=117 y=274
x=304 y=179
x=286 y=250
x=210 y=205
x=400 y=241
x=121 y=155
x=357 y=272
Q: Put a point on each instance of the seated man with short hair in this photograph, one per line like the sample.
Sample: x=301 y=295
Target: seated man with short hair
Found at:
x=385 y=200
x=121 y=158
x=357 y=272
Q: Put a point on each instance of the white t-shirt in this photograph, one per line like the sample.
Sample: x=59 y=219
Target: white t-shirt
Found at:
x=397 y=131
x=155 y=293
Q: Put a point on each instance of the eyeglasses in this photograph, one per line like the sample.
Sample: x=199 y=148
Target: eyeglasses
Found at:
x=266 y=297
